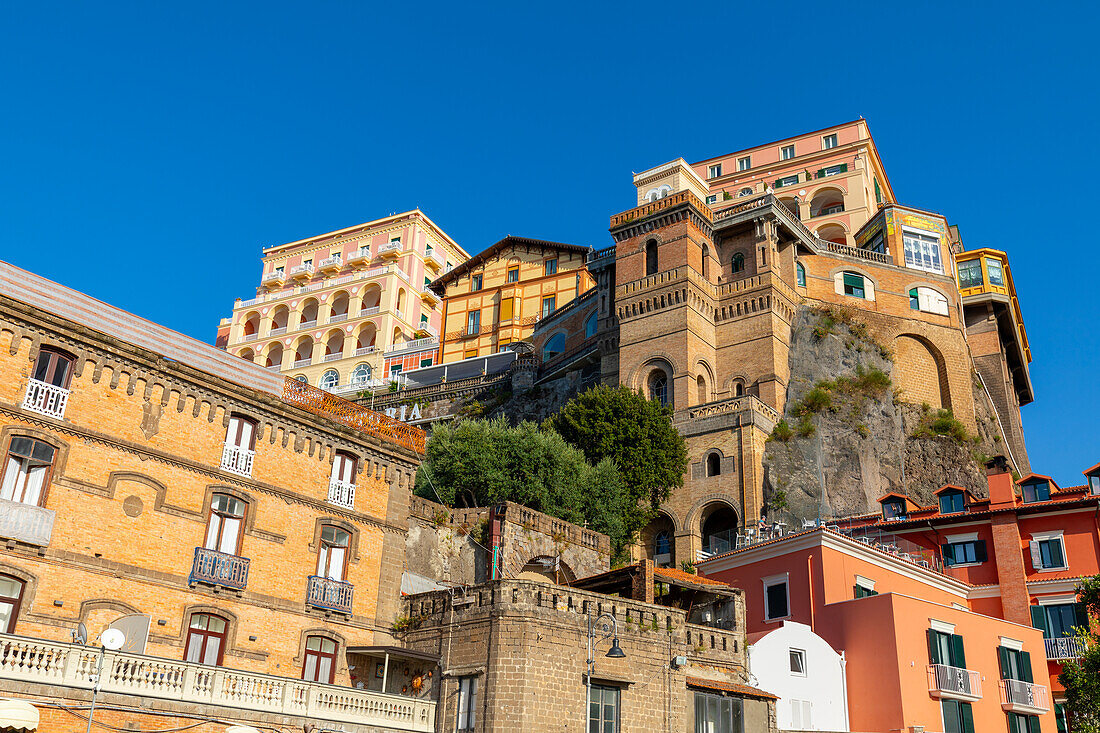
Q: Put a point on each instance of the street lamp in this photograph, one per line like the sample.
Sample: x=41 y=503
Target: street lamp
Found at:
x=605 y=626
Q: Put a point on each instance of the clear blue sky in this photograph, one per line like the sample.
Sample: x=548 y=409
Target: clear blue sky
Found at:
x=151 y=149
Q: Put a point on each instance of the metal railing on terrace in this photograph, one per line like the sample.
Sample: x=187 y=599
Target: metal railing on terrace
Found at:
x=954 y=682
x=326 y=593
x=1024 y=697
x=1068 y=647
x=60 y=665
x=46 y=399
x=219 y=568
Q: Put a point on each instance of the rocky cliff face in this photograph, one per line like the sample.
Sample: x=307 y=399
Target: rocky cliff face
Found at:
x=848 y=437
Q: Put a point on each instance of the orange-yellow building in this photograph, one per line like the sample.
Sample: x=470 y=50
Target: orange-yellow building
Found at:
x=496 y=297
x=244 y=531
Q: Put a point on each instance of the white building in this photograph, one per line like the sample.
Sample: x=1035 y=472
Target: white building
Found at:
x=801 y=668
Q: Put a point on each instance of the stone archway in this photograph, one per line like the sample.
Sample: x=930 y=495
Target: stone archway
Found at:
x=920 y=371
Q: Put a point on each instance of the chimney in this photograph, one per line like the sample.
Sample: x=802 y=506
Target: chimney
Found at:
x=1002 y=490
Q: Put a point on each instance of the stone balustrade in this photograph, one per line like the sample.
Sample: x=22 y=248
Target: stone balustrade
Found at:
x=59 y=665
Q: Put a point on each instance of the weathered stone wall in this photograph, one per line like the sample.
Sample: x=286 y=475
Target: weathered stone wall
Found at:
x=526 y=644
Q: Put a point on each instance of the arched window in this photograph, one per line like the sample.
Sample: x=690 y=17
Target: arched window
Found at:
x=309 y=314
x=329 y=379
x=279 y=320
x=332 y=555
x=714 y=465
x=252 y=324
x=27 y=471
x=738 y=262
x=590 y=325
x=554 y=345
x=854 y=285
x=706 y=262
x=206 y=639
x=800 y=274
x=274 y=357
x=662 y=544
x=701 y=389
x=11 y=598
x=240 y=444
x=744 y=192
x=320 y=660
x=928 y=300
x=54 y=368
x=341 y=487
x=225 y=523
x=658 y=387
x=651 y=257
x=738 y=388
x=302 y=378
x=360 y=375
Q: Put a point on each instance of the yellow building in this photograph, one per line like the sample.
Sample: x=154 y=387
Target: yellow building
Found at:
x=497 y=297
x=244 y=532
x=343 y=310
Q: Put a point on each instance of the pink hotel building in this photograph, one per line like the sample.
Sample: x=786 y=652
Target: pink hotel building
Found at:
x=347 y=309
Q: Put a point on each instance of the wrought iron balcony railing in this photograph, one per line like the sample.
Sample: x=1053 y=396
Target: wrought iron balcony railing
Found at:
x=1018 y=696
x=46 y=399
x=219 y=568
x=954 y=682
x=333 y=595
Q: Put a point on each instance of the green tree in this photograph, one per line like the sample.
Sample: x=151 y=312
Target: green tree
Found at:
x=636 y=434
x=1081 y=677
x=479 y=463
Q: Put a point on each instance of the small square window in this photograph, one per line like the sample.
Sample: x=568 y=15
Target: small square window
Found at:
x=1051 y=554
x=786 y=152
x=776 y=600
x=798 y=662
x=854 y=285
x=828 y=142
x=1036 y=491
x=743 y=164
x=550 y=267
x=711 y=199
x=714 y=171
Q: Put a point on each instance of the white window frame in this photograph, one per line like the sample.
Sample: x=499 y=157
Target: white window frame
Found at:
x=773 y=580
x=865 y=583
x=926 y=302
x=954 y=539
x=801 y=655
x=783 y=152
x=466 y=713
x=745 y=163
x=832 y=170
x=714 y=171
x=1036 y=553
x=713 y=198
x=920 y=234
x=826 y=139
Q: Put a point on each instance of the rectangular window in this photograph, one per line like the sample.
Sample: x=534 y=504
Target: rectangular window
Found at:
x=828 y=142
x=603 y=710
x=862 y=591
x=854 y=285
x=548 y=305
x=1015 y=664
x=1059 y=620
x=506 y=309
x=1018 y=723
x=469 y=354
x=776 y=599
x=426 y=362
x=11 y=597
x=834 y=170
x=467 y=703
x=717 y=714
x=951 y=502
x=550 y=267
x=223 y=527
x=798 y=662
x=473 y=322
x=958 y=716
x=1035 y=491
x=319 y=664
x=787 y=181
x=513 y=274
x=743 y=164
x=714 y=171
x=1048 y=554
x=711 y=199
x=877 y=243
x=970 y=274
x=944 y=648
x=922 y=251
x=475 y=282
x=786 y=152
x=928 y=300
x=27 y=471
x=995 y=271
x=964 y=553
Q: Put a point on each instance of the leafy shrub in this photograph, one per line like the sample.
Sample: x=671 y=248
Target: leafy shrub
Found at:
x=781 y=432
x=806 y=428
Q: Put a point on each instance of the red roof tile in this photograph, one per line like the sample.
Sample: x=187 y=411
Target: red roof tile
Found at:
x=730 y=687
x=680 y=575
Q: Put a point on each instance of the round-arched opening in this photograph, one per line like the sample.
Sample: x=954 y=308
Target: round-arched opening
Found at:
x=329 y=379
x=744 y=192
x=372 y=297
x=658 y=541
x=398 y=337
x=737 y=262
x=833 y=233
x=334 y=343
x=274 y=355
x=360 y=375
x=718 y=528
x=280 y=317
x=339 y=309
x=304 y=352
x=701 y=389
x=826 y=202
x=555 y=346
x=247 y=354
x=738 y=387
x=657 y=385
x=252 y=324
x=309 y=313
x=714 y=464
x=401 y=300
x=706 y=262
x=651 y=257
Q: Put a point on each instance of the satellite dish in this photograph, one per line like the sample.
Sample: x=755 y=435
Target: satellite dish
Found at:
x=112 y=639
x=80 y=636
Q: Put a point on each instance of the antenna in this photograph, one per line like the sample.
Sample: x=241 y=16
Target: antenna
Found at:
x=112 y=639
x=80 y=634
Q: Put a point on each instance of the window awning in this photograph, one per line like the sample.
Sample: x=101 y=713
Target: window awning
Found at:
x=18 y=715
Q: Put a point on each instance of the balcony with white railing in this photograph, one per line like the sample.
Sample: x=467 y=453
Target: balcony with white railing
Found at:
x=334 y=357
x=299 y=363
x=428 y=329
x=372 y=311
x=424 y=343
x=308 y=324
x=341 y=493
x=275 y=278
x=338 y=318
x=390 y=249
x=303 y=271
x=237 y=460
x=58 y=666
x=1029 y=698
x=329 y=594
x=46 y=399
x=331 y=264
x=363 y=351
x=956 y=683
x=219 y=568
x=1069 y=647
x=430 y=297
x=362 y=258
x=249 y=337
x=278 y=331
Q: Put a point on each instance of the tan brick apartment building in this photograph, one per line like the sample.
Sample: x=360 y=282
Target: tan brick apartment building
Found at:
x=246 y=531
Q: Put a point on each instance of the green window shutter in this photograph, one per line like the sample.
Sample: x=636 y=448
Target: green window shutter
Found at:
x=1081 y=614
x=843 y=167
x=966 y=714
x=878 y=193
x=933 y=648
x=1033 y=724
x=820 y=173
x=980 y=553
x=1006 y=664
x=958 y=656
x=1024 y=659
x=778 y=183
x=1039 y=620
x=948 y=554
